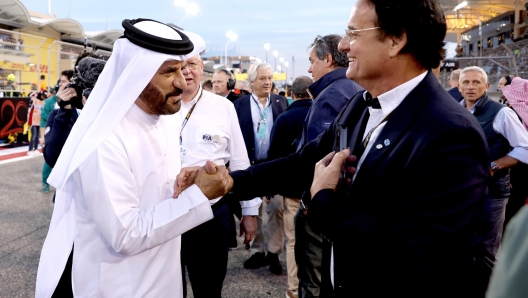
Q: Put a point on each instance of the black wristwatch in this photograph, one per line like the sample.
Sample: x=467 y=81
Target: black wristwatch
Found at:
x=494 y=166
x=62 y=103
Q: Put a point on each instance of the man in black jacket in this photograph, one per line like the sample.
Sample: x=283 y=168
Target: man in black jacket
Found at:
x=285 y=137
x=401 y=221
x=287 y=128
x=224 y=85
x=453 y=82
x=503 y=131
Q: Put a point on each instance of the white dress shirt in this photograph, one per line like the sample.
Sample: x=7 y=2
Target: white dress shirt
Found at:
x=128 y=227
x=389 y=101
x=213 y=133
x=508 y=125
x=261 y=146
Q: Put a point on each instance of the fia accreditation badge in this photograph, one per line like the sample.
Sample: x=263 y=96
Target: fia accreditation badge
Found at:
x=261 y=130
x=183 y=155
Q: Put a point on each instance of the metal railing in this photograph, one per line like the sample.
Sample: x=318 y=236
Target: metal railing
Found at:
x=28 y=57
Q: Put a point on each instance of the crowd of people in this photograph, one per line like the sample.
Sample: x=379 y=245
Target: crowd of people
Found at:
x=383 y=183
x=9 y=42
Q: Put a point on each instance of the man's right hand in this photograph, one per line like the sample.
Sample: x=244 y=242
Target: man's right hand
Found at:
x=66 y=94
x=214 y=181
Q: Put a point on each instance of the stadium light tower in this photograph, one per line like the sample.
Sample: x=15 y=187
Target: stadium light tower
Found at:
x=266 y=47
x=275 y=53
x=232 y=37
x=460 y=5
x=190 y=9
x=286 y=64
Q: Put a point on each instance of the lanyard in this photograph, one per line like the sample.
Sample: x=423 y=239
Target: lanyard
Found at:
x=189 y=115
x=264 y=113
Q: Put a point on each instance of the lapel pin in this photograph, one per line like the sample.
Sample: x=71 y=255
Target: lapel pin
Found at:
x=386 y=142
x=277 y=100
x=379 y=146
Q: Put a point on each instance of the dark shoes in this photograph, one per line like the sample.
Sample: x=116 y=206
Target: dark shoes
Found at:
x=257 y=260
x=275 y=265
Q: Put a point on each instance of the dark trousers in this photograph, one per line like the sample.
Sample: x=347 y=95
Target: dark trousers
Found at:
x=235 y=210
x=519 y=191
x=64 y=287
x=204 y=252
x=308 y=256
x=34 y=142
x=489 y=235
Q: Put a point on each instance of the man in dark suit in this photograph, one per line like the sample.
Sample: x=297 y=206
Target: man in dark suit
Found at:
x=287 y=128
x=453 y=82
x=285 y=137
x=256 y=115
x=402 y=220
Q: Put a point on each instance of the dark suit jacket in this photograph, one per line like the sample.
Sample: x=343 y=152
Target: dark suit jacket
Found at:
x=243 y=108
x=232 y=96
x=404 y=228
x=287 y=129
x=455 y=93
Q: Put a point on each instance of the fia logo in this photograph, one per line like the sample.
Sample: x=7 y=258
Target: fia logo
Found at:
x=207 y=138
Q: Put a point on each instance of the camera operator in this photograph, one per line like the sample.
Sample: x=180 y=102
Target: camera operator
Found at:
x=58 y=127
x=71 y=99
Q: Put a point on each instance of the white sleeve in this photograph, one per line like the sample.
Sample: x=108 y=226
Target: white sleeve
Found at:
x=250 y=207
x=508 y=125
x=239 y=160
x=110 y=196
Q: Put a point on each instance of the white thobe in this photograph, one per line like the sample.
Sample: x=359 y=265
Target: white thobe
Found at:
x=128 y=226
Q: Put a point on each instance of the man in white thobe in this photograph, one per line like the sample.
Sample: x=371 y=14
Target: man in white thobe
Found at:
x=116 y=173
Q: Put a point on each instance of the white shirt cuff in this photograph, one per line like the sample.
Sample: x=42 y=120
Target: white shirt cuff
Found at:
x=519 y=153
x=251 y=207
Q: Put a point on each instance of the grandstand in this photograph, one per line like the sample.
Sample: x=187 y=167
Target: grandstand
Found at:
x=490 y=34
x=34 y=44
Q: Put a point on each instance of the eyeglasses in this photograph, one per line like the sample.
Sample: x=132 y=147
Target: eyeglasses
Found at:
x=352 y=34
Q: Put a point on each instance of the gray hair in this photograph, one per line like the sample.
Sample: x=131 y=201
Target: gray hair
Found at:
x=475 y=69
x=253 y=70
x=300 y=86
x=327 y=44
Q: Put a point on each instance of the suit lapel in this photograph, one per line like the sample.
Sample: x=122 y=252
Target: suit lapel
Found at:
x=246 y=121
x=276 y=106
x=398 y=124
x=351 y=119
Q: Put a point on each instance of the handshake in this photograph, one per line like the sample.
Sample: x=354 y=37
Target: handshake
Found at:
x=214 y=181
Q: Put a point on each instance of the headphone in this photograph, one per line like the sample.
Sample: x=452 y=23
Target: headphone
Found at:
x=230 y=82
